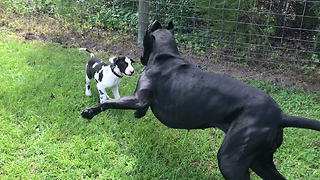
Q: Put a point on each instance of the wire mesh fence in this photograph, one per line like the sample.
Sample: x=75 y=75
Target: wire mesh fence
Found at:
x=280 y=33
x=275 y=33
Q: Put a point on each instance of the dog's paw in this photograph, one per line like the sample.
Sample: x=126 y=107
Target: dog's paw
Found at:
x=87 y=114
x=139 y=114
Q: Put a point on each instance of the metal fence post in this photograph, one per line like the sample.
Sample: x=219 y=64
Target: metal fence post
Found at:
x=143 y=20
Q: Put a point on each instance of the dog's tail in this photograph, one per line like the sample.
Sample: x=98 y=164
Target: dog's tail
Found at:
x=299 y=122
x=85 y=49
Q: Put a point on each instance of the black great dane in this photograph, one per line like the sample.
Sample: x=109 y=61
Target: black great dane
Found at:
x=182 y=96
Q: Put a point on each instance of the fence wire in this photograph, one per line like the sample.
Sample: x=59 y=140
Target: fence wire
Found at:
x=284 y=33
x=278 y=33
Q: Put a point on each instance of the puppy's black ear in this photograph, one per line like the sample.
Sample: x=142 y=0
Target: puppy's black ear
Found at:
x=170 y=27
x=113 y=60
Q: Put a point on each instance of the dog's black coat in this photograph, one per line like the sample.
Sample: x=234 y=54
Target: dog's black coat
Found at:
x=91 y=71
x=183 y=96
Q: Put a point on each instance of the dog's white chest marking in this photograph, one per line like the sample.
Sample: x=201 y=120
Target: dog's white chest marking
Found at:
x=109 y=79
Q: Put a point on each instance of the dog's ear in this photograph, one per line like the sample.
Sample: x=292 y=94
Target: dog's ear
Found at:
x=148 y=41
x=113 y=60
x=154 y=26
x=147 y=48
x=170 y=27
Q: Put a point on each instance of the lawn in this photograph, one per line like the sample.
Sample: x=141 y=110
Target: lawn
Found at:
x=42 y=135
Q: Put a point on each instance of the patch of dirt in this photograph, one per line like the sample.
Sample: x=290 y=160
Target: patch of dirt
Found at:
x=277 y=77
x=124 y=45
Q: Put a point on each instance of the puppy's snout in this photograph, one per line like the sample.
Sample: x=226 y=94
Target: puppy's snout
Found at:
x=129 y=71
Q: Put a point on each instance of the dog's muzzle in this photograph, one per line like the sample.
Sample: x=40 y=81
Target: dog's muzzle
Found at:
x=131 y=71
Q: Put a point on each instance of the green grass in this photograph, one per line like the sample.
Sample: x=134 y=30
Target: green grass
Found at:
x=42 y=135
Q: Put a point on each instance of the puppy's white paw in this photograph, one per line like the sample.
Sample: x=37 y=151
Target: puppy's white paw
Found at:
x=88 y=93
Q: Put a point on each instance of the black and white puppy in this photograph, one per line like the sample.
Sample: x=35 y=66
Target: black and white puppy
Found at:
x=107 y=76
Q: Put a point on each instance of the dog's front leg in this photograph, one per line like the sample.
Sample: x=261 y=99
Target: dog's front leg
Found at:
x=115 y=91
x=127 y=102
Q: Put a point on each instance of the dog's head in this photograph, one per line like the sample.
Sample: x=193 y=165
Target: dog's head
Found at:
x=124 y=64
x=158 y=40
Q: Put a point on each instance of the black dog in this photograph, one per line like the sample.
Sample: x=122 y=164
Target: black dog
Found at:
x=182 y=96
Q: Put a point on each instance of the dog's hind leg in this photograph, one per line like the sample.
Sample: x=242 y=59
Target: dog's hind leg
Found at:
x=88 y=90
x=263 y=164
x=265 y=168
x=233 y=163
x=88 y=79
x=239 y=149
